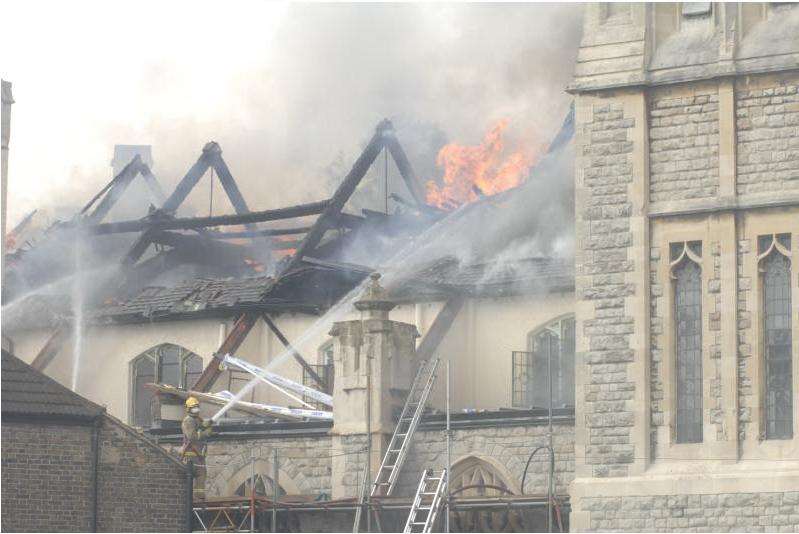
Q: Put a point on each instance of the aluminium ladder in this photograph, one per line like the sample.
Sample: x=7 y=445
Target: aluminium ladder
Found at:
x=400 y=442
x=427 y=502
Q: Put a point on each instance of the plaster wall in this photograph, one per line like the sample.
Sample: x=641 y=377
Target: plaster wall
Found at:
x=479 y=343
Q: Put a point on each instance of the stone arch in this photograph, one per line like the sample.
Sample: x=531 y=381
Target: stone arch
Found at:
x=472 y=468
x=239 y=469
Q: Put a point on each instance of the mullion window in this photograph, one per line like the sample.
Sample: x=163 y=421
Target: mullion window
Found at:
x=688 y=319
x=778 y=347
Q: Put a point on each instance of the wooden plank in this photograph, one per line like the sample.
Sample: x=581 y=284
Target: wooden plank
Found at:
x=297 y=356
x=440 y=327
x=230 y=345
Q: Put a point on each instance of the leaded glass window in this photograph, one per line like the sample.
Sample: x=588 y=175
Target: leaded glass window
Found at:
x=778 y=346
x=553 y=343
x=688 y=343
x=165 y=364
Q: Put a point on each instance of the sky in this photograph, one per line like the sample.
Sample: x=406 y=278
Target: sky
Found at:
x=292 y=92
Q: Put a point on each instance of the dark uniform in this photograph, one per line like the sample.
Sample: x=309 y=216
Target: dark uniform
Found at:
x=195 y=431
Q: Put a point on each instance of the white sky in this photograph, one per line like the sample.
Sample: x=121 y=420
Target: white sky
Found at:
x=267 y=80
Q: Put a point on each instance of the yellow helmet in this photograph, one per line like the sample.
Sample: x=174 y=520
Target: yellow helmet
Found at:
x=191 y=402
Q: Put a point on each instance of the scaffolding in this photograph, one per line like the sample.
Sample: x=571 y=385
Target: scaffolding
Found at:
x=235 y=514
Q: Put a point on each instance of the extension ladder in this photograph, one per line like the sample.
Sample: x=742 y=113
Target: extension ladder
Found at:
x=427 y=503
x=400 y=442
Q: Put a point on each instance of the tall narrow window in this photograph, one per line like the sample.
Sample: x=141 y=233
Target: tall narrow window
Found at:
x=775 y=266
x=688 y=344
x=164 y=364
x=551 y=350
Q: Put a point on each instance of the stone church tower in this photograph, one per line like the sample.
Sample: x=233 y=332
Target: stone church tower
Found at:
x=687 y=284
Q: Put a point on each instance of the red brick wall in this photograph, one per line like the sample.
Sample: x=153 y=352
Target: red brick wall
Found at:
x=47 y=480
x=46 y=477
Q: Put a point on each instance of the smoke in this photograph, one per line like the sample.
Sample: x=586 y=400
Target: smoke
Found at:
x=289 y=102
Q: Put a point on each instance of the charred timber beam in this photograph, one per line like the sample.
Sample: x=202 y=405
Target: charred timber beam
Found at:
x=241 y=328
x=439 y=328
x=176 y=240
x=168 y=223
x=342 y=194
x=405 y=169
x=258 y=233
x=229 y=184
x=191 y=178
x=297 y=356
x=152 y=183
x=112 y=190
x=51 y=347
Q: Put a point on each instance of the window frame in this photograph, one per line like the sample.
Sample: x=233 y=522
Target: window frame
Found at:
x=666 y=448
x=775 y=247
x=529 y=356
x=688 y=256
x=153 y=354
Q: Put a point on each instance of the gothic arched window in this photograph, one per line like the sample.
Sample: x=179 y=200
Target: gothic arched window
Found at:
x=551 y=345
x=775 y=268
x=165 y=364
x=687 y=273
x=264 y=486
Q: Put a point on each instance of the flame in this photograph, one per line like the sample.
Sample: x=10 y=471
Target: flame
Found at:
x=471 y=172
x=256 y=266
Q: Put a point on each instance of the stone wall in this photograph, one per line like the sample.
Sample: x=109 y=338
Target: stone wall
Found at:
x=140 y=487
x=726 y=512
x=603 y=260
x=304 y=463
x=683 y=145
x=47 y=480
x=507 y=448
x=767 y=114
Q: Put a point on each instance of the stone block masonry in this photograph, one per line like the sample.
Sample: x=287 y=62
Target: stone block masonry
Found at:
x=683 y=145
x=725 y=512
x=603 y=286
x=768 y=138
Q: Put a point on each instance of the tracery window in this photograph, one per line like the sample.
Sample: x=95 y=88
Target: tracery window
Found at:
x=164 y=364
x=775 y=267
x=554 y=343
x=687 y=274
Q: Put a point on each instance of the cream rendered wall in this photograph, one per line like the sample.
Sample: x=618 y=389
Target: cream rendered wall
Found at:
x=479 y=344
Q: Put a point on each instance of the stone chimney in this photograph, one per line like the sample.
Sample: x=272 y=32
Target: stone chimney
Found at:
x=371 y=353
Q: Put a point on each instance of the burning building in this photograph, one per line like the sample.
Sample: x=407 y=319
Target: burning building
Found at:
x=613 y=312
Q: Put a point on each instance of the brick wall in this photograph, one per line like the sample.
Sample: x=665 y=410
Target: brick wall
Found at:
x=46 y=477
x=604 y=208
x=141 y=488
x=683 y=145
x=768 y=138
x=726 y=512
x=47 y=480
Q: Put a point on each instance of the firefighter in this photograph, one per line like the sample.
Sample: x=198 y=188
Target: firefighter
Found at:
x=195 y=431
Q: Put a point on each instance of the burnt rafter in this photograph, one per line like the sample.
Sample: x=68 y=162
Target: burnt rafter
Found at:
x=113 y=190
x=162 y=221
x=332 y=212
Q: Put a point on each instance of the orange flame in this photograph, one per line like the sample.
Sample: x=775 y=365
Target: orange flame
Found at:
x=471 y=172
